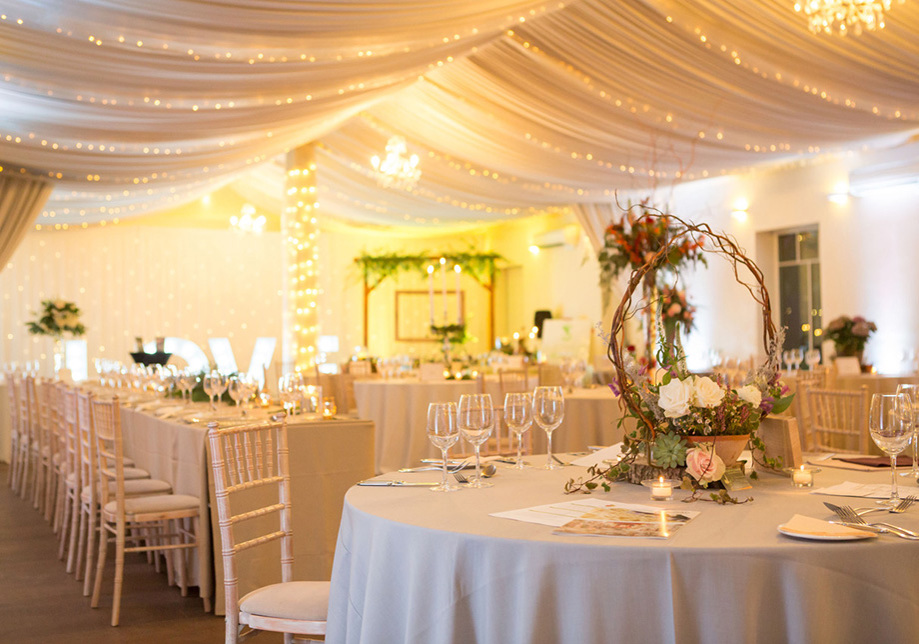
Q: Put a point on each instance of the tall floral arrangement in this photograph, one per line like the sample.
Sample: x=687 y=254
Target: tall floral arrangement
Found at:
x=675 y=309
x=849 y=334
x=56 y=318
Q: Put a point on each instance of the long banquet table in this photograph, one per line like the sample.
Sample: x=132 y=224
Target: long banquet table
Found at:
x=326 y=458
x=417 y=566
x=399 y=411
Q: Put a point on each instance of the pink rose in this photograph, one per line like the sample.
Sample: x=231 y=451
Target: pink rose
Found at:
x=673 y=310
x=704 y=465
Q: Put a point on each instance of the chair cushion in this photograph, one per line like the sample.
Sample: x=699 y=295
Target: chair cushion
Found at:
x=305 y=600
x=157 y=503
x=135 y=487
x=130 y=473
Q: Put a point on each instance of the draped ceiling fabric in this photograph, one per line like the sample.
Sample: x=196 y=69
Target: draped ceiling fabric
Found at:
x=514 y=106
x=21 y=199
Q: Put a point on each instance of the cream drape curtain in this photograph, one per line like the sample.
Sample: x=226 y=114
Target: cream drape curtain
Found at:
x=21 y=199
x=594 y=218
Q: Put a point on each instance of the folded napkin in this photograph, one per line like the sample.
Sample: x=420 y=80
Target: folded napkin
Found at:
x=876 y=461
x=800 y=525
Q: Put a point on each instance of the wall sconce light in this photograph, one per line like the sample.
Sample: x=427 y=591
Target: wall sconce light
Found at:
x=840 y=194
x=740 y=210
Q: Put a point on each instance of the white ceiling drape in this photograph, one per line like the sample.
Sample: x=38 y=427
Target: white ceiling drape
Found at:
x=514 y=107
x=21 y=197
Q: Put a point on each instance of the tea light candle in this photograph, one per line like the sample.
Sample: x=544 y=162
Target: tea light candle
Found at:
x=661 y=490
x=802 y=477
x=328 y=408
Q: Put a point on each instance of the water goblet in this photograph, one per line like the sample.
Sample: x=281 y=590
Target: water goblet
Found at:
x=812 y=358
x=796 y=357
x=443 y=433
x=890 y=423
x=912 y=394
x=548 y=412
x=518 y=415
x=237 y=389
x=288 y=393
x=475 y=417
x=786 y=358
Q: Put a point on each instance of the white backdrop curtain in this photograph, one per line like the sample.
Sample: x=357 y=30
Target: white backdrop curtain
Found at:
x=21 y=199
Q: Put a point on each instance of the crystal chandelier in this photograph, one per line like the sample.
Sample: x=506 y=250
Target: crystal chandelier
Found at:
x=248 y=222
x=844 y=16
x=397 y=169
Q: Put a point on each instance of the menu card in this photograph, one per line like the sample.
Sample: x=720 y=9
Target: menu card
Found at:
x=593 y=517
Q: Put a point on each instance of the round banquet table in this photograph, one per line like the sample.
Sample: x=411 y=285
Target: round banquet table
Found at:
x=415 y=566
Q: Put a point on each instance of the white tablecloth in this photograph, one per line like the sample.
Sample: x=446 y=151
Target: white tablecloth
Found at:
x=415 y=566
x=399 y=410
x=326 y=458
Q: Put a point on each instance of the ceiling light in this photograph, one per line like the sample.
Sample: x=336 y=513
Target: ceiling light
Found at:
x=844 y=16
x=397 y=169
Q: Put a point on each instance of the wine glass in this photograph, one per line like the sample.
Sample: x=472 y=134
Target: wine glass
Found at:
x=912 y=394
x=215 y=383
x=475 y=417
x=786 y=358
x=238 y=391
x=443 y=433
x=890 y=422
x=812 y=358
x=548 y=412
x=518 y=415
x=288 y=393
x=796 y=357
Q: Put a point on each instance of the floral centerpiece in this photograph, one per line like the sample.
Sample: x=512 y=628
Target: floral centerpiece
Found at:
x=850 y=334
x=57 y=317
x=675 y=310
x=686 y=422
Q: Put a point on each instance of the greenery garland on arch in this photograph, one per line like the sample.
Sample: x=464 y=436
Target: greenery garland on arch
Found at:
x=375 y=268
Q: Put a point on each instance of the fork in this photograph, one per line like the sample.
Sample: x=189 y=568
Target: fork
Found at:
x=848 y=515
x=460 y=477
x=900 y=508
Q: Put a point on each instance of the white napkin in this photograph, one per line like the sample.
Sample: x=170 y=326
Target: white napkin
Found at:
x=801 y=524
x=865 y=490
x=610 y=453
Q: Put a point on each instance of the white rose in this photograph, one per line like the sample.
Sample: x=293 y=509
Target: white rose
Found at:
x=750 y=394
x=675 y=398
x=706 y=392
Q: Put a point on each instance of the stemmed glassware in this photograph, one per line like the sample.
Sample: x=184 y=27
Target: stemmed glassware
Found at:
x=812 y=358
x=796 y=357
x=787 y=358
x=890 y=421
x=187 y=382
x=215 y=383
x=239 y=391
x=475 y=418
x=912 y=394
x=548 y=412
x=518 y=416
x=443 y=433
x=288 y=392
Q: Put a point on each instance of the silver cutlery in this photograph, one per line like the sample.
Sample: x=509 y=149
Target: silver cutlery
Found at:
x=437 y=468
x=460 y=478
x=853 y=520
x=900 y=508
x=391 y=483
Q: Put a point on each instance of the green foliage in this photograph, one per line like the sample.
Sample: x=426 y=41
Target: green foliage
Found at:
x=56 y=318
x=669 y=450
x=379 y=266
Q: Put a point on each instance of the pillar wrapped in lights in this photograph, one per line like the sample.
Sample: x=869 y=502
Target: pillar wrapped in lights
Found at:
x=301 y=238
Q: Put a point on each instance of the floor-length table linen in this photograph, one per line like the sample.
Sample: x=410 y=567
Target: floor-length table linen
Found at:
x=5 y=421
x=326 y=458
x=413 y=566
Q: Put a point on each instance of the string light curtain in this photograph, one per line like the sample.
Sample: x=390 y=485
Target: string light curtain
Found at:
x=513 y=107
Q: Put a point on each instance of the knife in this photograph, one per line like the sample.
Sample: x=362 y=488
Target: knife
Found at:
x=886 y=528
x=389 y=483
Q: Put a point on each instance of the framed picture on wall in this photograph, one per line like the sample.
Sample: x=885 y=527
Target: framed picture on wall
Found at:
x=416 y=309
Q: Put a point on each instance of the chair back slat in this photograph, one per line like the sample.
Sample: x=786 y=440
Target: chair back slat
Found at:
x=106 y=422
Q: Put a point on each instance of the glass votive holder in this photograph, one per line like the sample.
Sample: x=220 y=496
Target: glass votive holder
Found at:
x=802 y=476
x=329 y=408
x=661 y=488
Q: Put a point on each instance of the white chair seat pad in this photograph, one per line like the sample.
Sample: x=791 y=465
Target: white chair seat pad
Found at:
x=135 y=487
x=154 y=504
x=303 y=600
x=130 y=473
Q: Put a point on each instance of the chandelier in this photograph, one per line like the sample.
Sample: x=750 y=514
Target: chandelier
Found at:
x=397 y=169
x=844 y=16
x=248 y=222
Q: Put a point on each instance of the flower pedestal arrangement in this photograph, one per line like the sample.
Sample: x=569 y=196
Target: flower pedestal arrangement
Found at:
x=56 y=318
x=849 y=336
x=690 y=427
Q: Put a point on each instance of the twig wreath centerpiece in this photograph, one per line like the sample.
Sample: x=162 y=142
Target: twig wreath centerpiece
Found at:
x=689 y=427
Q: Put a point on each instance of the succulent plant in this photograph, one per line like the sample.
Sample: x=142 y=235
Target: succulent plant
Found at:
x=669 y=450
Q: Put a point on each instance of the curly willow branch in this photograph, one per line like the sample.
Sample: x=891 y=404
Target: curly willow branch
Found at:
x=719 y=244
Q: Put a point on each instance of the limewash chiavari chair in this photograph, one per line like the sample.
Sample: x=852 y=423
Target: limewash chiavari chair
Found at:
x=12 y=387
x=156 y=522
x=839 y=420
x=137 y=483
x=69 y=479
x=27 y=423
x=42 y=449
x=254 y=460
x=549 y=375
